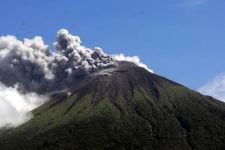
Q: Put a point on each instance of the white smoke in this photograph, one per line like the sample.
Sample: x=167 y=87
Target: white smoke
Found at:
x=215 y=88
x=72 y=58
x=15 y=107
x=76 y=56
x=25 y=62
x=32 y=66
x=134 y=59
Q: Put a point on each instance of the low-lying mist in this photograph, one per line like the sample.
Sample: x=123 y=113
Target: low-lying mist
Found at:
x=15 y=106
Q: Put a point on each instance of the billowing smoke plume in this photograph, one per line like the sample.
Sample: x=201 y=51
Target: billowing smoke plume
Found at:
x=26 y=63
x=33 y=67
x=72 y=60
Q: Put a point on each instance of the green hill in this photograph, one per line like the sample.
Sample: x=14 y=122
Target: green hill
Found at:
x=123 y=108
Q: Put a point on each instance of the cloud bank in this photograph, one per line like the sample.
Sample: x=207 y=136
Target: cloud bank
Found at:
x=15 y=107
x=215 y=88
x=36 y=71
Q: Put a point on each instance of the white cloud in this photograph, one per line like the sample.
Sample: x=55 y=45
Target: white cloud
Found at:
x=15 y=107
x=133 y=59
x=215 y=88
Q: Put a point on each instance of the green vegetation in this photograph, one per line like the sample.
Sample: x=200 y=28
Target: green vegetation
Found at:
x=124 y=111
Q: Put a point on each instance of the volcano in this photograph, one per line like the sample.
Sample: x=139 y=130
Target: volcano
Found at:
x=122 y=107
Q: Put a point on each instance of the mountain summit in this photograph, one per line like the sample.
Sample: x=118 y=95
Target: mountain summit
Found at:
x=123 y=107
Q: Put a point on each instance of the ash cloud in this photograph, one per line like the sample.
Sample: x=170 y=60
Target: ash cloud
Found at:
x=72 y=60
x=36 y=71
x=72 y=55
x=26 y=63
x=33 y=66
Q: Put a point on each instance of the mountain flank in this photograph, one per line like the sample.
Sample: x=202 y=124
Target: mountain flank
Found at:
x=122 y=107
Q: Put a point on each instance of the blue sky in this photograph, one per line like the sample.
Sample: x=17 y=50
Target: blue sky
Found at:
x=183 y=40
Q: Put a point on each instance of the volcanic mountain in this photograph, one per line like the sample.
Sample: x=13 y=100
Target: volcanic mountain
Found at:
x=122 y=107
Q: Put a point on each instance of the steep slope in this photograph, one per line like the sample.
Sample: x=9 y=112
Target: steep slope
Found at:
x=123 y=107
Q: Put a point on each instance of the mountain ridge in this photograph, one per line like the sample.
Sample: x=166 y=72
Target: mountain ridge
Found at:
x=123 y=107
